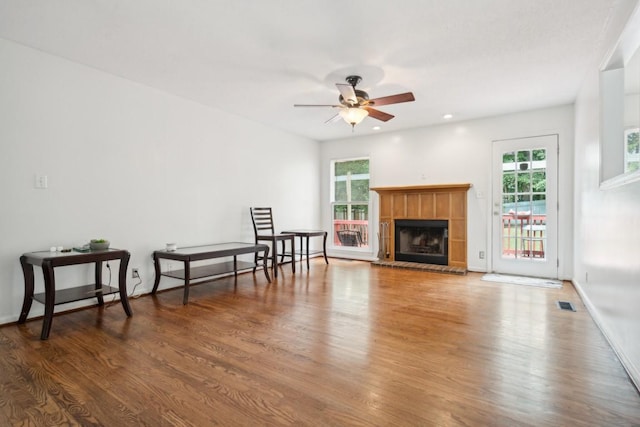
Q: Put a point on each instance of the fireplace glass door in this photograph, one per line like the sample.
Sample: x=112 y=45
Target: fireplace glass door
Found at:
x=423 y=241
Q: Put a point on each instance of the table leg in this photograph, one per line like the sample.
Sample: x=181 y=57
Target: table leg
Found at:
x=307 y=251
x=27 y=272
x=156 y=263
x=235 y=266
x=187 y=277
x=98 y=285
x=122 y=284
x=49 y=298
x=293 y=254
x=324 y=247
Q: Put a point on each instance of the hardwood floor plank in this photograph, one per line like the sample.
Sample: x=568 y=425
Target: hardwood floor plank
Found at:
x=339 y=344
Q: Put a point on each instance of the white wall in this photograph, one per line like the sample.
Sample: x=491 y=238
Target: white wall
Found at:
x=607 y=224
x=131 y=164
x=459 y=153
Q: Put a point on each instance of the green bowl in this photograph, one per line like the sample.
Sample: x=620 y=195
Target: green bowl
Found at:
x=99 y=246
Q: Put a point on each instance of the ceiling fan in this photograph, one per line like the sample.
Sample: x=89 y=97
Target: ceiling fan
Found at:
x=355 y=104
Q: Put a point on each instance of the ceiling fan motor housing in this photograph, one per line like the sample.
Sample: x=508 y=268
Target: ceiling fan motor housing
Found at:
x=361 y=95
x=353 y=80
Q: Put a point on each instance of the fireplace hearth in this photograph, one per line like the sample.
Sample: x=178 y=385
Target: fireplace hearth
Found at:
x=423 y=241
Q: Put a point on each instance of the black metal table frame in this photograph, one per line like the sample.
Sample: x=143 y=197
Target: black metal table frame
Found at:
x=304 y=249
x=50 y=298
x=205 y=252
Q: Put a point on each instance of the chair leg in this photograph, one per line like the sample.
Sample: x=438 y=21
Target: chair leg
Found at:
x=274 y=259
x=255 y=261
x=284 y=248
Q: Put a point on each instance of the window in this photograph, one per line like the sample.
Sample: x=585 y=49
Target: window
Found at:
x=631 y=150
x=350 y=202
x=620 y=109
x=524 y=203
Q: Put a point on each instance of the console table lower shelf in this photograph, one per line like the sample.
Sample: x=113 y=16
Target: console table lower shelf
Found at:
x=79 y=293
x=206 y=252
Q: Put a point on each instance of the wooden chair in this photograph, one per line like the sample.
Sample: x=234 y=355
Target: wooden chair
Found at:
x=264 y=231
x=349 y=237
x=533 y=238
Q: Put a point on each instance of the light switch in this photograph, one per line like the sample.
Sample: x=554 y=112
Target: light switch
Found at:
x=42 y=182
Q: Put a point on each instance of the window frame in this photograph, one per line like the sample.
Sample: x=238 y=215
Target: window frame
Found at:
x=333 y=203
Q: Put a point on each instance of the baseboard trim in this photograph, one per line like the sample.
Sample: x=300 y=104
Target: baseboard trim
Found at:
x=627 y=364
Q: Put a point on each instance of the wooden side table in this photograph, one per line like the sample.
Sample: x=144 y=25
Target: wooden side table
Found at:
x=52 y=297
x=305 y=249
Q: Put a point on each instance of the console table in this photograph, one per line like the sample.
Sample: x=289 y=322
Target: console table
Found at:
x=199 y=253
x=306 y=234
x=51 y=297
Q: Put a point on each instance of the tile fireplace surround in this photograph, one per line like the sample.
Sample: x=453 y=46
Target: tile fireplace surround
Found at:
x=444 y=201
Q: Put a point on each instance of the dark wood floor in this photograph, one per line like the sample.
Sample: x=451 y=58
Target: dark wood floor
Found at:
x=344 y=344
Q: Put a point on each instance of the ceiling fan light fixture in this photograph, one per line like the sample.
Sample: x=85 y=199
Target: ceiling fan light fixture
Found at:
x=353 y=115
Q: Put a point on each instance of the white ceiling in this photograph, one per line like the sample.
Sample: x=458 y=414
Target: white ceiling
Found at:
x=256 y=58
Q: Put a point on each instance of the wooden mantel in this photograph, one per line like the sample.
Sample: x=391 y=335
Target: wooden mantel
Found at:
x=428 y=188
x=442 y=201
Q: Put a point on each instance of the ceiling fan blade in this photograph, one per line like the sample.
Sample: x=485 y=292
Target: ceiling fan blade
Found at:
x=316 y=105
x=348 y=93
x=380 y=115
x=393 y=99
x=334 y=118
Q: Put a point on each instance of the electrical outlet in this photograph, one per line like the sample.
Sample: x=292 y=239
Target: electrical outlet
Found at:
x=481 y=254
x=134 y=273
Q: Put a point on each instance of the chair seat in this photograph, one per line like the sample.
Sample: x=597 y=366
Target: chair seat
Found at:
x=274 y=254
x=277 y=237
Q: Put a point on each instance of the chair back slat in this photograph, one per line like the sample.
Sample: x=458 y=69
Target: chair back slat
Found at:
x=262 y=219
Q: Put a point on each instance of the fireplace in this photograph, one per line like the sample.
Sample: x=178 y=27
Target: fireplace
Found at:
x=422 y=240
x=440 y=202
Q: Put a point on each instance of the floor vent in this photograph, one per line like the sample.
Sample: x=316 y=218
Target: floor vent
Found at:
x=565 y=305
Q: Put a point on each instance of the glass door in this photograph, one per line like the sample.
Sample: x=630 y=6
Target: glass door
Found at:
x=524 y=237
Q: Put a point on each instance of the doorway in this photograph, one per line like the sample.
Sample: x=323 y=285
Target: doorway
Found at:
x=524 y=206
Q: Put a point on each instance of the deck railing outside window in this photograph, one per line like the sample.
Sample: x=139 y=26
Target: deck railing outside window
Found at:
x=361 y=226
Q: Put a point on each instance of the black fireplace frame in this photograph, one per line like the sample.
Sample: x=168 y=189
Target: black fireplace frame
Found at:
x=422 y=258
